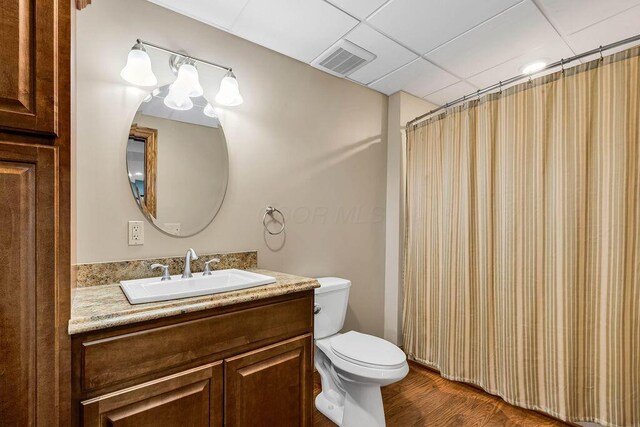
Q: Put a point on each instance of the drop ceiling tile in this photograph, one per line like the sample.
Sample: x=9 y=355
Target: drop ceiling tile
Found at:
x=521 y=29
x=450 y=93
x=549 y=53
x=300 y=29
x=358 y=8
x=570 y=16
x=423 y=25
x=418 y=78
x=608 y=31
x=218 y=13
x=389 y=54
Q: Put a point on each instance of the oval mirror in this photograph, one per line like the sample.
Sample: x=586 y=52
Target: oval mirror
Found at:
x=177 y=163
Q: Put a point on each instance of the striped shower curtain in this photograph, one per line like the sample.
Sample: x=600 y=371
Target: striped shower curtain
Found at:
x=522 y=263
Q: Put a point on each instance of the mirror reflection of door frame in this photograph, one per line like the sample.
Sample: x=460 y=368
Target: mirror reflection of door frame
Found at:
x=150 y=138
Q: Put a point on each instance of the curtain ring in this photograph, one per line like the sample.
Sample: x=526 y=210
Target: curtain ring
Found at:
x=478 y=95
x=601 y=57
x=500 y=93
x=562 y=65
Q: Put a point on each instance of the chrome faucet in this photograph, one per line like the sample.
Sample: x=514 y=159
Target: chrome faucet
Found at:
x=165 y=271
x=207 y=268
x=191 y=255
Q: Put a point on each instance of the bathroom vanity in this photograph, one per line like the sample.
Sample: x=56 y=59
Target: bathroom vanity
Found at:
x=235 y=358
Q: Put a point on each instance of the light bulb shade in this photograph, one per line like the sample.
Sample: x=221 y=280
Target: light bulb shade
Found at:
x=210 y=111
x=178 y=99
x=187 y=81
x=229 y=93
x=138 y=69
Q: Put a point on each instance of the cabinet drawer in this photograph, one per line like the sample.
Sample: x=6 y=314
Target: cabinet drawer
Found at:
x=113 y=360
x=190 y=398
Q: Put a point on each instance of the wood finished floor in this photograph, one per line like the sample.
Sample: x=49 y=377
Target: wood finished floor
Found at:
x=424 y=398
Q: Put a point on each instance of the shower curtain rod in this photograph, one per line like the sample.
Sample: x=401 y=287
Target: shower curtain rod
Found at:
x=514 y=79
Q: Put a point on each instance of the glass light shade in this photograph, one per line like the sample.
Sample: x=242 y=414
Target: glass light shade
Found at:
x=210 y=111
x=178 y=99
x=187 y=81
x=229 y=93
x=138 y=69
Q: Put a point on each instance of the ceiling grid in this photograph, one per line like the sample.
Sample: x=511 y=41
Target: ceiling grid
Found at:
x=433 y=49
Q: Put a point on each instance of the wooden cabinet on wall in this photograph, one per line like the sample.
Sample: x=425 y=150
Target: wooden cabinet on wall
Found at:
x=249 y=364
x=29 y=96
x=27 y=225
x=34 y=212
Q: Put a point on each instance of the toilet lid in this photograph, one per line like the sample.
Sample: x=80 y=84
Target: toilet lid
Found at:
x=364 y=349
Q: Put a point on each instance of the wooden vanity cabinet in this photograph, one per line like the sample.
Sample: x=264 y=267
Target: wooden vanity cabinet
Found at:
x=249 y=364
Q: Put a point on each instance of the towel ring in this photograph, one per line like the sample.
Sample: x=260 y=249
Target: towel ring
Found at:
x=270 y=211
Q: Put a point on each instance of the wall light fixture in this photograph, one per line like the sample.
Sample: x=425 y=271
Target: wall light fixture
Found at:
x=138 y=71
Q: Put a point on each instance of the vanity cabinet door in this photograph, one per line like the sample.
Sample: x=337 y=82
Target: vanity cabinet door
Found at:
x=191 y=398
x=271 y=386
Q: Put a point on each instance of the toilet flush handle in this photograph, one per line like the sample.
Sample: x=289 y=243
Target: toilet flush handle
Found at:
x=316 y=308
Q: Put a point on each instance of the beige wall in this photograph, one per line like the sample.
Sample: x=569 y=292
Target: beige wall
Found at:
x=402 y=108
x=306 y=142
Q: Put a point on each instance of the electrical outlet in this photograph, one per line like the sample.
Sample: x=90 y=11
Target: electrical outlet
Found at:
x=136 y=233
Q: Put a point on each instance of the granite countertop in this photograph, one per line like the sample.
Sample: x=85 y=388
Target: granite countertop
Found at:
x=105 y=306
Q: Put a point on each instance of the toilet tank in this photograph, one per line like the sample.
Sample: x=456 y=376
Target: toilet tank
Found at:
x=331 y=300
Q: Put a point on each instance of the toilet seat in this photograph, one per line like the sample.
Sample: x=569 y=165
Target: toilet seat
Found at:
x=357 y=369
x=367 y=350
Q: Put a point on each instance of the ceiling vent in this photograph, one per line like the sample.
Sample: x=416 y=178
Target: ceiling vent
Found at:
x=343 y=58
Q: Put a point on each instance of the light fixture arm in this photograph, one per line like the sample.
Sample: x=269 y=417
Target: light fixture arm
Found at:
x=164 y=49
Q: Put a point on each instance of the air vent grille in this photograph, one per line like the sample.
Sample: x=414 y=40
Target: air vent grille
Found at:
x=342 y=61
x=343 y=58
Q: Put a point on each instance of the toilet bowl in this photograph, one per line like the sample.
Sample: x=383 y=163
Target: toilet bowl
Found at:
x=352 y=366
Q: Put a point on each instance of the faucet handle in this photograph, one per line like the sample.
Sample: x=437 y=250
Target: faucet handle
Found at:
x=165 y=271
x=207 y=269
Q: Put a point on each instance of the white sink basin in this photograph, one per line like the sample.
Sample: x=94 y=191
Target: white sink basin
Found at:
x=153 y=289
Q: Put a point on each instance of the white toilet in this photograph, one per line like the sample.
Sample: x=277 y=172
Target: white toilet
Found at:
x=352 y=366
